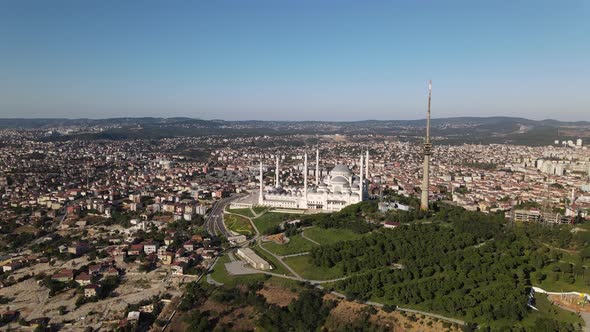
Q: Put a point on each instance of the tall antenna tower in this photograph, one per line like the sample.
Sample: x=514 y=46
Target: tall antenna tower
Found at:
x=427 y=153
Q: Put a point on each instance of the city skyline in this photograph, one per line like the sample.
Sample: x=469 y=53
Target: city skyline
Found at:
x=306 y=61
x=157 y=167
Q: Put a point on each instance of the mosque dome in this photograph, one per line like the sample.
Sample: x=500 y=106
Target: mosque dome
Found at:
x=340 y=170
x=339 y=180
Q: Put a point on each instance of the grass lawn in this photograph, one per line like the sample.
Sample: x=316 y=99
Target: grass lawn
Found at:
x=277 y=266
x=330 y=235
x=303 y=266
x=585 y=225
x=570 y=257
x=244 y=212
x=268 y=221
x=260 y=209
x=239 y=224
x=562 y=286
x=220 y=274
x=546 y=309
x=296 y=244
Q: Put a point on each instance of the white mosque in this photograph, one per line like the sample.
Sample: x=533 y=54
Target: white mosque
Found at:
x=333 y=192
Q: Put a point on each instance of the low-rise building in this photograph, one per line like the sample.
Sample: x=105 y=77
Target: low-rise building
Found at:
x=91 y=290
x=150 y=247
x=64 y=275
x=178 y=268
x=253 y=259
x=83 y=279
x=79 y=248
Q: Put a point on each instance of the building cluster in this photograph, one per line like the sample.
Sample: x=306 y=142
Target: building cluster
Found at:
x=90 y=212
x=487 y=178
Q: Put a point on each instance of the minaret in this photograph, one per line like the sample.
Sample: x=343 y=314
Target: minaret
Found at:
x=260 y=198
x=317 y=167
x=305 y=181
x=367 y=166
x=427 y=153
x=277 y=173
x=361 y=185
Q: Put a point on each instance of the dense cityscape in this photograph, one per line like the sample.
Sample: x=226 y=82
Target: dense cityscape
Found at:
x=105 y=234
x=294 y=166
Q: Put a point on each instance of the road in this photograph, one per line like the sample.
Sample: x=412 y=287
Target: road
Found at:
x=295 y=276
x=584 y=315
x=214 y=221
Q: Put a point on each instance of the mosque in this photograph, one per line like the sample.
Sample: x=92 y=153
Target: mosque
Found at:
x=339 y=188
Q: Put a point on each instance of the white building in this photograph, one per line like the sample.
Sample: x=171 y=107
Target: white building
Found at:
x=253 y=259
x=150 y=247
x=237 y=239
x=333 y=192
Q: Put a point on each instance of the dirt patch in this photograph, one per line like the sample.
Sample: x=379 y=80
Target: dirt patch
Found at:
x=277 y=295
x=344 y=313
x=33 y=300
x=25 y=229
x=350 y=313
x=214 y=306
x=178 y=323
x=240 y=319
x=276 y=238
x=570 y=301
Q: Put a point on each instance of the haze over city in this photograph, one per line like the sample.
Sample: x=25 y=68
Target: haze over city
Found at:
x=304 y=60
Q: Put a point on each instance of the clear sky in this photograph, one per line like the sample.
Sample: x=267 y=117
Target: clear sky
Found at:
x=294 y=60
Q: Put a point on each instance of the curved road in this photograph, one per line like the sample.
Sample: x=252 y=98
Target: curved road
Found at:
x=317 y=283
x=214 y=221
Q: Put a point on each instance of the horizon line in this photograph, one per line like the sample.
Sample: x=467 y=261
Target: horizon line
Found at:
x=259 y=120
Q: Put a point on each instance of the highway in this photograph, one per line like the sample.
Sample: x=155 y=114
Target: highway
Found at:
x=214 y=222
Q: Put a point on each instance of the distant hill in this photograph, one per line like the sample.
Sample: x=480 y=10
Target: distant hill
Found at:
x=456 y=130
x=125 y=121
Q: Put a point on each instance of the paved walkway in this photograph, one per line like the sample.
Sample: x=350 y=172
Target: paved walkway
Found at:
x=258 y=240
x=256 y=215
x=585 y=315
x=280 y=259
x=380 y=305
x=213 y=282
x=310 y=240
x=209 y=279
x=242 y=268
x=295 y=255
x=239 y=267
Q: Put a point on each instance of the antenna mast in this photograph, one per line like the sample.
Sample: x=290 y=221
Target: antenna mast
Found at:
x=427 y=154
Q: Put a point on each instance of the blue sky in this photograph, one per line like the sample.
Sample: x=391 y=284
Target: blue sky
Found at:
x=294 y=60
